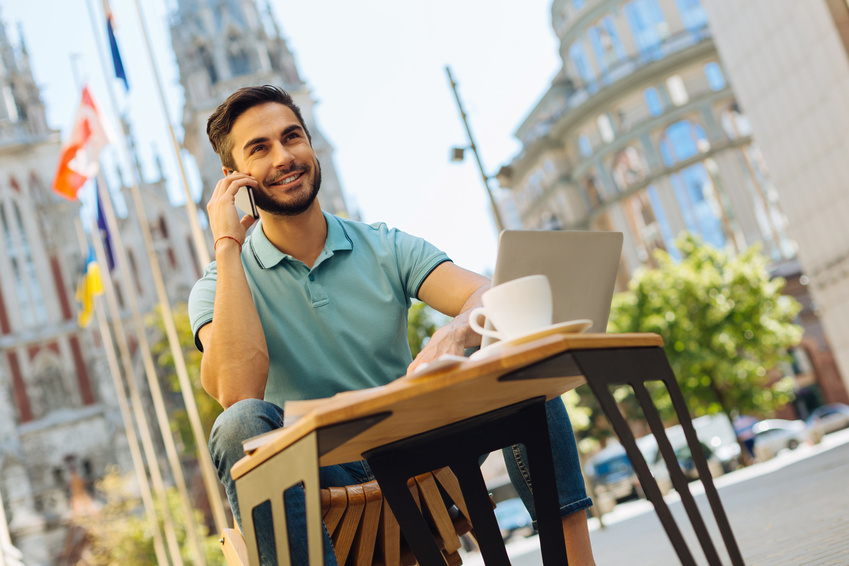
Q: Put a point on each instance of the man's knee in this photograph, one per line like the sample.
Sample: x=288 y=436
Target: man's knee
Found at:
x=243 y=420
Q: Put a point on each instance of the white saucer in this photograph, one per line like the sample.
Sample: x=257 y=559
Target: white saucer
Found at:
x=568 y=327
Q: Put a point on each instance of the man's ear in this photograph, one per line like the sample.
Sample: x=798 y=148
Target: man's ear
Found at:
x=226 y=171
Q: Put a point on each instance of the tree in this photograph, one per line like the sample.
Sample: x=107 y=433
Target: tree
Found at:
x=420 y=326
x=725 y=326
x=119 y=532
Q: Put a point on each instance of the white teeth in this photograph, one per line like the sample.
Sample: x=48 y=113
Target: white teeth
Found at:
x=289 y=179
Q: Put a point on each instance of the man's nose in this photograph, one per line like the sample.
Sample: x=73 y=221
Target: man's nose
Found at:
x=280 y=155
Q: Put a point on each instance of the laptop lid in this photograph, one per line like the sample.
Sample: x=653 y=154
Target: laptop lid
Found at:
x=581 y=267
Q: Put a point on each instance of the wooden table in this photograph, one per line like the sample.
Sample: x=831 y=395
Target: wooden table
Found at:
x=346 y=426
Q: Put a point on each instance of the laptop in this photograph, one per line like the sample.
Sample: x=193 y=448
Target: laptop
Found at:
x=581 y=267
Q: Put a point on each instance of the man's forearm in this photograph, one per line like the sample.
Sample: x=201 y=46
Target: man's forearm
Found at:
x=235 y=360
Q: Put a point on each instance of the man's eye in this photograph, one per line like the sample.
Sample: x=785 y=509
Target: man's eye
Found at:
x=257 y=148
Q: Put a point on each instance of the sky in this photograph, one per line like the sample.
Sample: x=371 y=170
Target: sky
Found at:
x=376 y=69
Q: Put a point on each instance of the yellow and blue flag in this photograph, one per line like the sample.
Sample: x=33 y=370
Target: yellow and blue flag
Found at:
x=90 y=286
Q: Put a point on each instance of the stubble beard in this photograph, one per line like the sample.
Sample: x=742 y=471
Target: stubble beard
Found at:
x=293 y=205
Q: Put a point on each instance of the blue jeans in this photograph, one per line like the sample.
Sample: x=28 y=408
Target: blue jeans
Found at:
x=252 y=417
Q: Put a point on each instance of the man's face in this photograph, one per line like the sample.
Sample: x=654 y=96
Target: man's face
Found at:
x=270 y=145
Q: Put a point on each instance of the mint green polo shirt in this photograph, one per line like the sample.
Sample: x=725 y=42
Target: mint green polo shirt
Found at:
x=339 y=326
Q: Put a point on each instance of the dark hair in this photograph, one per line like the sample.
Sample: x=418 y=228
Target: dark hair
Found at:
x=221 y=121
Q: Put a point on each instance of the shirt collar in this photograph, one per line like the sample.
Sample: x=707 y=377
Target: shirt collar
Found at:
x=267 y=255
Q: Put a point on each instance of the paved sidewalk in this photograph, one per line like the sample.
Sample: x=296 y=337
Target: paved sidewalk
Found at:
x=790 y=511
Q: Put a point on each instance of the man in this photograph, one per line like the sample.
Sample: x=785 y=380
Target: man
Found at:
x=310 y=305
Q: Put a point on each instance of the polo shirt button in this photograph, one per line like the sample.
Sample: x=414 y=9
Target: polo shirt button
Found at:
x=312 y=277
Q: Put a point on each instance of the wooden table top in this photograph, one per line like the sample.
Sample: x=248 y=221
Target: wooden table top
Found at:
x=414 y=404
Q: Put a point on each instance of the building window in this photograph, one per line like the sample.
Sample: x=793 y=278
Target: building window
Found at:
x=27 y=285
x=692 y=14
x=606 y=45
x=605 y=128
x=648 y=27
x=653 y=101
x=662 y=222
x=696 y=198
x=677 y=90
x=629 y=168
x=584 y=145
x=578 y=56
x=715 y=77
x=683 y=140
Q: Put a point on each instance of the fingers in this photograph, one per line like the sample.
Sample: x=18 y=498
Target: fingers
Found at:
x=224 y=219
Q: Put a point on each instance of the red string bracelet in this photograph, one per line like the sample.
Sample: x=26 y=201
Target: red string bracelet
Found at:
x=215 y=245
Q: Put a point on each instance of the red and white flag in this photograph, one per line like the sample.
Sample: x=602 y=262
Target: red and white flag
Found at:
x=79 y=158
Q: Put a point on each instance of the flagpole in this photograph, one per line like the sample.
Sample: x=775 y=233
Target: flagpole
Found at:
x=197 y=233
x=208 y=472
x=141 y=418
x=152 y=378
x=120 y=391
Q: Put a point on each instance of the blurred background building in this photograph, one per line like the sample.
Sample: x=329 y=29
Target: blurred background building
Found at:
x=788 y=63
x=58 y=407
x=642 y=132
x=222 y=46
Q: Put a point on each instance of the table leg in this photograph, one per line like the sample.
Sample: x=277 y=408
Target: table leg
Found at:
x=459 y=446
x=635 y=366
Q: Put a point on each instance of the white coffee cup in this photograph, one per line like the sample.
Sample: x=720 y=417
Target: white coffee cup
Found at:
x=515 y=308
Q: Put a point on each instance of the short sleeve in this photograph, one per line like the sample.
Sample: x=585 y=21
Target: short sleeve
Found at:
x=416 y=259
x=202 y=300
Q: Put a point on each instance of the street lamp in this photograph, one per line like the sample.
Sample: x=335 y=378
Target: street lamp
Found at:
x=457 y=154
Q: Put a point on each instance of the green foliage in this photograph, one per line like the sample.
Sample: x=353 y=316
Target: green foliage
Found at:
x=208 y=407
x=724 y=322
x=420 y=326
x=119 y=532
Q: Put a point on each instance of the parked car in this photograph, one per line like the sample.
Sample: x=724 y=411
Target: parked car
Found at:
x=831 y=417
x=611 y=471
x=657 y=464
x=513 y=518
x=771 y=436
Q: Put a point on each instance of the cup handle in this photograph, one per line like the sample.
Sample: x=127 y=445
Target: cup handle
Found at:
x=473 y=322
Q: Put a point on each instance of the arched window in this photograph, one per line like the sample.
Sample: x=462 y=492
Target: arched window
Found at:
x=578 y=56
x=697 y=199
x=27 y=285
x=683 y=140
x=629 y=168
x=648 y=27
x=47 y=389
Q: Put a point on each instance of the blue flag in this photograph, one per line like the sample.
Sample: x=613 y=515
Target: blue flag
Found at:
x=104 y=229
x=113 y=46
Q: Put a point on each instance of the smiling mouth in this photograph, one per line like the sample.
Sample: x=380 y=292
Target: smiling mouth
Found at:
x=287 y=180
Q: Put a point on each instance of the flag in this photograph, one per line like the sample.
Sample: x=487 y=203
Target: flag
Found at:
x=113 y=45
x=78 y=160
x=104 y=230
x=90 y=286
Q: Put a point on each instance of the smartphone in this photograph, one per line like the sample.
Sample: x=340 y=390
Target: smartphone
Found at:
x=245 y=200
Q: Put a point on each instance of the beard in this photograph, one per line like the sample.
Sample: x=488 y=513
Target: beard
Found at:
x=289 y=205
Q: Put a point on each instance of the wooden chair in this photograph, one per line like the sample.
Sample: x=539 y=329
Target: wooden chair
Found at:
x=365 y=532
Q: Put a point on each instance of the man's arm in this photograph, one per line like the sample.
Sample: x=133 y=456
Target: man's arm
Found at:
x=235 y=359
x=453 y=291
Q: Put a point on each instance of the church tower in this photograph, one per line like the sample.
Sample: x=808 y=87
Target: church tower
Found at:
x=57 y=404
x=221 y=46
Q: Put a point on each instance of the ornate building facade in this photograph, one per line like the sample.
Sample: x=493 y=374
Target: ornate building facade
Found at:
x=58 y=406
x=641 y=132
x=221 y=46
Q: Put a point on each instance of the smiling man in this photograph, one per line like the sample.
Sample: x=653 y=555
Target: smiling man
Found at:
x=310 y=305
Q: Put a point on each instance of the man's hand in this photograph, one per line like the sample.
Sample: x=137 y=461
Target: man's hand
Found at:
x=453 y=291
x=223 y=216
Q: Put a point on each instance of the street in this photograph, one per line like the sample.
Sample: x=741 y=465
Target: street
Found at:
x=790 y=511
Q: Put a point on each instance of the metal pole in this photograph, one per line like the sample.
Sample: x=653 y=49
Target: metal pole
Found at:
x=495 y=213
x=120 y=392
x=197 y=233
